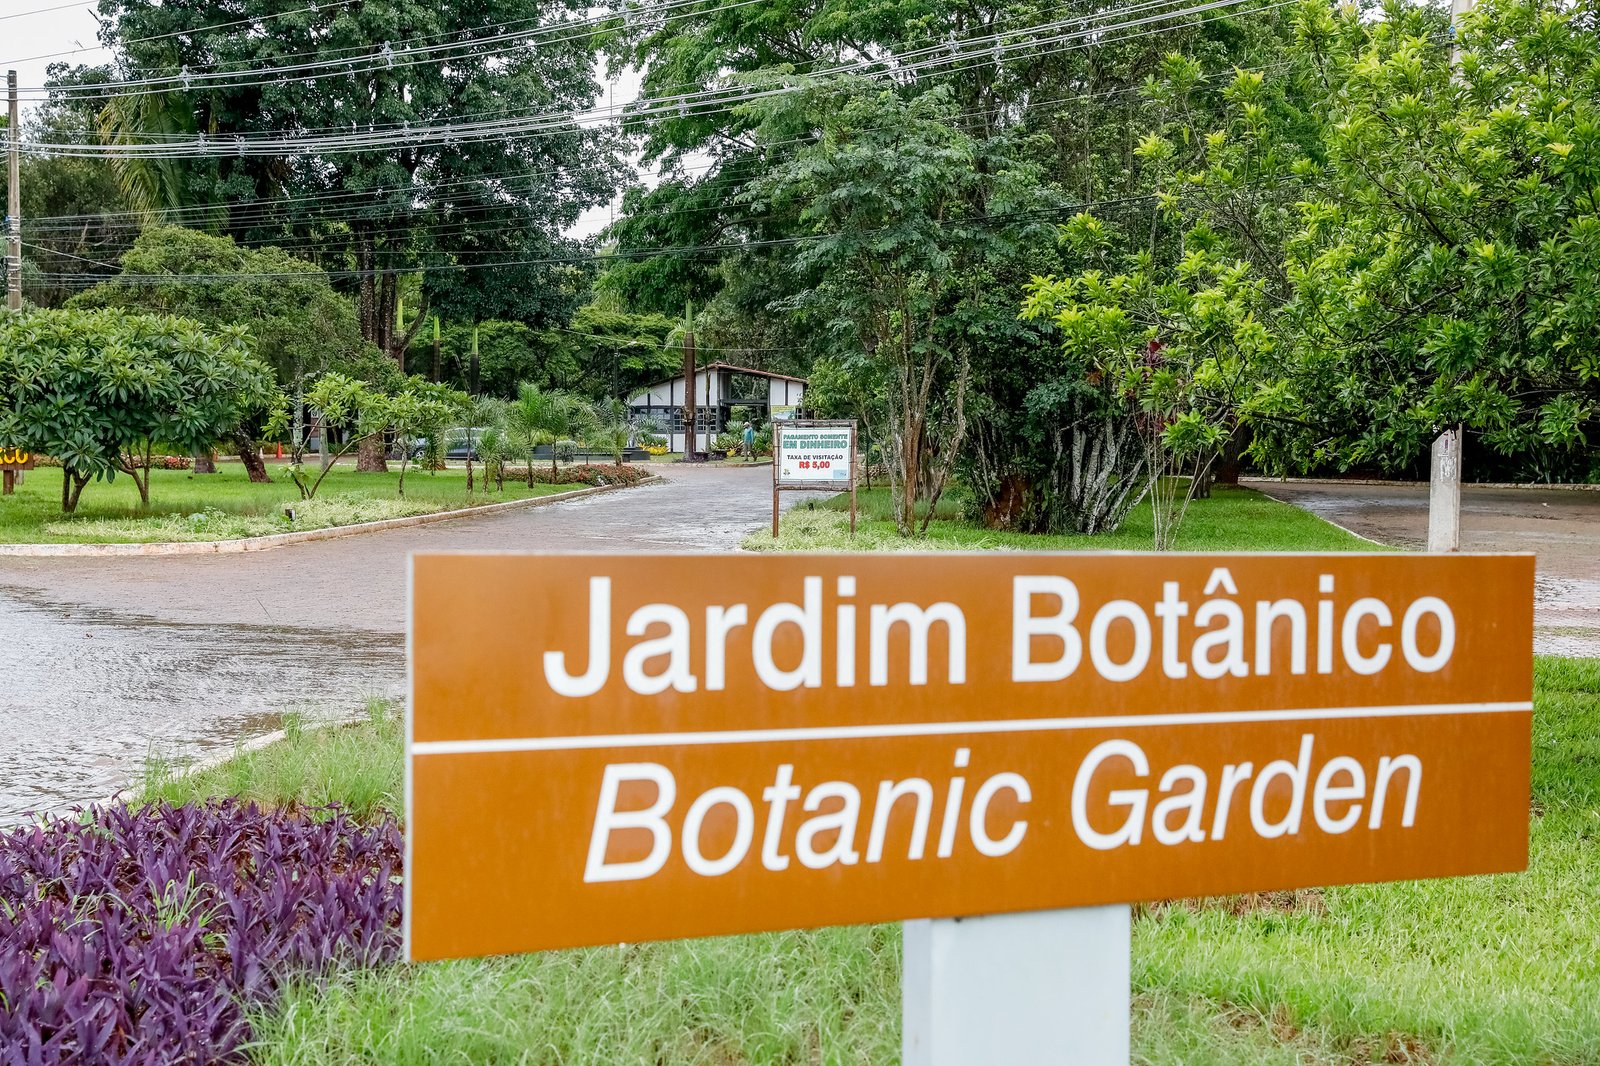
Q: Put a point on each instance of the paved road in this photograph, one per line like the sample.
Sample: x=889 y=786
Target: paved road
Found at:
x=110 y=660
x=1561 y=526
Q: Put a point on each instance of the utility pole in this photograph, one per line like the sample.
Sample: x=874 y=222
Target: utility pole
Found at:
x=688 y=383
x=13 y=197
x=1444 y=472
x=436 y=367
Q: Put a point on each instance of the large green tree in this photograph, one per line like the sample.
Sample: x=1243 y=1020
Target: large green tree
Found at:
x=483 y=214
x=298 y=324
x=1450 y=273
x=908 y=225
x=101 y=390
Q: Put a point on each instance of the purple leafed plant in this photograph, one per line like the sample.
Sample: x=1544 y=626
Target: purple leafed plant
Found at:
x=142 y=936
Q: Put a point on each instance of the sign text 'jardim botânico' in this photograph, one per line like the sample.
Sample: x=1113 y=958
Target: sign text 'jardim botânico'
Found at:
x=620 y=748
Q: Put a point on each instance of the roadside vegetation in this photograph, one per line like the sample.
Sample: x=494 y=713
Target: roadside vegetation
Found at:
x=1231 y=519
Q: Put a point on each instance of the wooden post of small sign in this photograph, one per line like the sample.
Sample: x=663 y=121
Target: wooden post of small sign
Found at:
x=852 y=479
x=10 y=477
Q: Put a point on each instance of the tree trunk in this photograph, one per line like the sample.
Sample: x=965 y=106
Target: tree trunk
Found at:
x=71 y=490
x=369 y=456
x=203 y=463
x=250 y=456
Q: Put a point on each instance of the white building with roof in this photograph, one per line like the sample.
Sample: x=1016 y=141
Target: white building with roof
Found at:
x=718 y=389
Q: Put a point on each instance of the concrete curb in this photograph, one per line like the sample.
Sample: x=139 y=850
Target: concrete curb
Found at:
x=280 y=540
x=1558 y=486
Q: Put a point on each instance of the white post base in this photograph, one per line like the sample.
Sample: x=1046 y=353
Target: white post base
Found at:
x=1041 y=988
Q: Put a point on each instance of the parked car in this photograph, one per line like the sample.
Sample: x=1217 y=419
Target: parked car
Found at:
x=456 y=445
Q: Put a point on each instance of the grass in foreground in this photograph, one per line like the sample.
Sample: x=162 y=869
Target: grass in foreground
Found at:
x=189 y=507
x=1233 y=519
x=359 y=766
x=1481 y=970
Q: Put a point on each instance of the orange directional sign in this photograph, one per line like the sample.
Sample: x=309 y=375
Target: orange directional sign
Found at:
x=622 y=748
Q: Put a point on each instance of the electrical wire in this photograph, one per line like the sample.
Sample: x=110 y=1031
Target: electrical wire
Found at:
x=314 y=6
x=590 y=258
x=46 y=10
x=719 y=100
x=247 y=213
x=387 y=56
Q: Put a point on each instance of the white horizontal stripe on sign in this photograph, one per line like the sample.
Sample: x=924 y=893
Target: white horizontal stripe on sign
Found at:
x=927 y=729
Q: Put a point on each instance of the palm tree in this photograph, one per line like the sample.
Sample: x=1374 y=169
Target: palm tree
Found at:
x=152 y=183
x=484 y=414
x=541 y=416
x=610 y=427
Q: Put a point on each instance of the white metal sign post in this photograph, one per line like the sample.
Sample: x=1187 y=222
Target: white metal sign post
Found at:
x=814 y=454
x=1041 y=988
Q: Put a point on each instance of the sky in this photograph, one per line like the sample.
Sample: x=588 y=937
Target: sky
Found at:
x=27 y=30
x=30 y=28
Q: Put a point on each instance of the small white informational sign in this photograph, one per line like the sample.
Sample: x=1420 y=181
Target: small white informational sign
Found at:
x=809 y=454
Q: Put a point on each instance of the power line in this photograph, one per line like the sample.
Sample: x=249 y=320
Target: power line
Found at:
x=46 y=10
x=719 y=100
x=389 y=55
x=167 y=279
x=256 y=212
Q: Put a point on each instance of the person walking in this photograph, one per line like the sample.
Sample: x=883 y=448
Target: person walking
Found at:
x=749 y=440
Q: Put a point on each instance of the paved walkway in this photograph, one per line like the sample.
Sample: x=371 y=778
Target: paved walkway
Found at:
x=111 y=660
x=1560 y=526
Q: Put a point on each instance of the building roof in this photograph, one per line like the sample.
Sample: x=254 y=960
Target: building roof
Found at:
x=720 y=366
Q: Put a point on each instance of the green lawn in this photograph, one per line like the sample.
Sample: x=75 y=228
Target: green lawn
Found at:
x=1478 y=970
x=1233 y=519
x=185 y=506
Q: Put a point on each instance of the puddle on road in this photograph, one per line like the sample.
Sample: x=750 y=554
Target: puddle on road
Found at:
x=86 y=696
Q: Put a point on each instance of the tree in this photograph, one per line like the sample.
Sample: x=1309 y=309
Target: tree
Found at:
x=100 y=390
x=350 y=408
x=421 y=409
x=1167 y=328
x=901 y=258
x=541 y=417
x=610 y=428
x=1450 y=274
x=483 y=214
x=1156 y=366
x=300 y=326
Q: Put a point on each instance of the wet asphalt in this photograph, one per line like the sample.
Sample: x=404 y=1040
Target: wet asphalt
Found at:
x=112 y=661
x=1560 y=526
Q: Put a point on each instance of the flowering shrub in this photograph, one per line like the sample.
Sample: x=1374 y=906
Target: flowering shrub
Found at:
x=142 y=936
x=656 y=449
x=591 y=474
x=161 y=462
